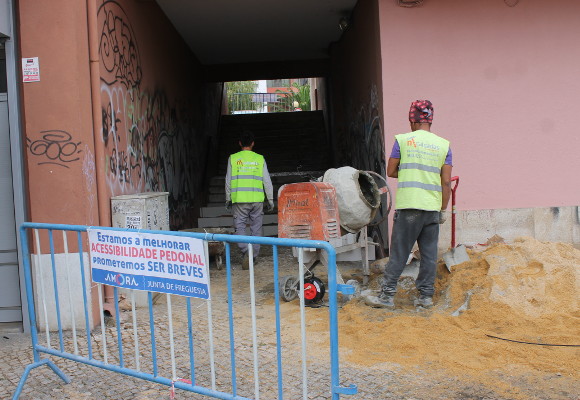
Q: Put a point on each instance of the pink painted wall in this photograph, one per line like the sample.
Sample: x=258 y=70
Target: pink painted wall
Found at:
x=57 y=121
x=504 y=82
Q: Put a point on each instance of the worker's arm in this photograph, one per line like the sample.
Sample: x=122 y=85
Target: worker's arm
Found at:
x=445 y=185
x=228 y=181
x=393 y=167
x=268 y=187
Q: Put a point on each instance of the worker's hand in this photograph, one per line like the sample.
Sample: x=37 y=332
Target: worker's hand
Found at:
x=270 y=205
x=442 y=216
x=228 y=205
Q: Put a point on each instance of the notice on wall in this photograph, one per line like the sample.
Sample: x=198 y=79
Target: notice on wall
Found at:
x=30 y=69
x=133 y=221
x=151 y=262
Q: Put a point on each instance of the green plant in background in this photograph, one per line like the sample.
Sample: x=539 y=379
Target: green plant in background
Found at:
x=295 y=93
x=302 y=96
x=240 y=95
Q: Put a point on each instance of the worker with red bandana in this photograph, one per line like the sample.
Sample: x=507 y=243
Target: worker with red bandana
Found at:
x=422 y=162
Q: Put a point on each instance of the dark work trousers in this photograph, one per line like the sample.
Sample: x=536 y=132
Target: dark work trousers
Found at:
x=410 y=226
x=248 y=214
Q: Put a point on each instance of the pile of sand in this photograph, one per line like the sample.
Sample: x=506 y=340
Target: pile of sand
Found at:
x=526 y=291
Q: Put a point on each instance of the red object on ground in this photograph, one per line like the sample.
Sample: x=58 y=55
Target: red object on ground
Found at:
x=308 y=210
x=310 y=291
x=453 y=211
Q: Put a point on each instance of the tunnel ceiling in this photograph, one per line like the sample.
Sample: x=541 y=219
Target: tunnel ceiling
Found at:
x=241 y=31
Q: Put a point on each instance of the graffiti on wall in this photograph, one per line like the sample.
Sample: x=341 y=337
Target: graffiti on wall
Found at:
x=364 y=148
x=89 y=172
x=55 y=147
x=118 y=50
x=149 y=140
x=365 y=143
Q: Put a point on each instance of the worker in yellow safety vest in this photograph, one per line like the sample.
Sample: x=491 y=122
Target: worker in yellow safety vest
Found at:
x=248 y=185
x=422 y=162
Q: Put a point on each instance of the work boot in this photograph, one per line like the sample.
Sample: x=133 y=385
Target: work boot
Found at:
x=383 y=300
x=424 y=301
x=246 y=262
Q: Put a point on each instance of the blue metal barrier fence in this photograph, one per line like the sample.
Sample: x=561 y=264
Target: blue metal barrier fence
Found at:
x=47 y=283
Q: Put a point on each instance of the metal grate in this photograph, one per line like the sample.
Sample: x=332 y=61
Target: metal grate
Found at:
x=300 y=231
x=332 y=228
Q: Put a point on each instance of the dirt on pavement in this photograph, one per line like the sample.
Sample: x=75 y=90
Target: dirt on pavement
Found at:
x=526 y=291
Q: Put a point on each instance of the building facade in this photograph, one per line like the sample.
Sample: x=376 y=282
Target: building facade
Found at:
x=121 y=105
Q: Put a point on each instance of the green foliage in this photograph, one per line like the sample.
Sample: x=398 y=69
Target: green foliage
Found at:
x=239 y=95
x=295 y=93
x=302 y=96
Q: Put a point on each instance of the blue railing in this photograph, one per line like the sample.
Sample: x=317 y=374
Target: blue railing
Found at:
x=122 y=361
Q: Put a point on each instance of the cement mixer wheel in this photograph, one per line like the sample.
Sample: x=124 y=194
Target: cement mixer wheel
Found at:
x=289 y=288
x=314 y=290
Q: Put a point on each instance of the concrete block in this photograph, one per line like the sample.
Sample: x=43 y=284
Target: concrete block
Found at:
x=576 y=226
x=356 y=255
x=43 y=279
x=141 y=211
x=554 y=224
x=513 y=223
x=472 y=227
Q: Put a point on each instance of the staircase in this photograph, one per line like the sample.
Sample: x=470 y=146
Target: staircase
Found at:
x=295 y=148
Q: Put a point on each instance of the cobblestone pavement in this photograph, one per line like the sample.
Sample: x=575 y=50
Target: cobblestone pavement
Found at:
x=89 y=382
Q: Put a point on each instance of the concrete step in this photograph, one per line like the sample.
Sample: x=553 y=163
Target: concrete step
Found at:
x=221 y=190
x=270 y=230
x=217 y=198
x=280 y=178
x=227 y=221
x=219 y=210
x=214 y=211
x=287 y=140
x=294 y=145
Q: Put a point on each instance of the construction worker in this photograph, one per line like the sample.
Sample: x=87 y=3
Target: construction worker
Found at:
x=248 y=184
x=422 y=162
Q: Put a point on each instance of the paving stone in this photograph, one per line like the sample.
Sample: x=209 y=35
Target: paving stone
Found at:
x=94 y=383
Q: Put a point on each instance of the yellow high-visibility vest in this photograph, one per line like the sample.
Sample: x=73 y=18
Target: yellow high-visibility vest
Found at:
x=419 y=183
x=247 y=177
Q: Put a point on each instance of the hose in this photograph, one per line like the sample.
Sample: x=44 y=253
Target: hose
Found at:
x=537 y=344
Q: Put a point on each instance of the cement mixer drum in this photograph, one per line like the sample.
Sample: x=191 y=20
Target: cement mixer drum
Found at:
x=357 y=195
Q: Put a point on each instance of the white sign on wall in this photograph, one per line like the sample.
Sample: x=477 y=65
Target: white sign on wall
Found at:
x=151 y=262
x=30 y=70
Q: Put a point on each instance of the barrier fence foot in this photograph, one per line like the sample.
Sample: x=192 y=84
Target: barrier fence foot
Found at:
x=30 y=367
x=350 y=390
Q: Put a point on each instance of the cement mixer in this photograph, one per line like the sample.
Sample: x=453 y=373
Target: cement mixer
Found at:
x=338 y=208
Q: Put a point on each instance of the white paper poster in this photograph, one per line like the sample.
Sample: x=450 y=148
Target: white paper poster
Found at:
x=30 y=70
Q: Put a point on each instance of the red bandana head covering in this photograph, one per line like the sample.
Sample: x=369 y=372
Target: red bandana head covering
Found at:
x=421 y=111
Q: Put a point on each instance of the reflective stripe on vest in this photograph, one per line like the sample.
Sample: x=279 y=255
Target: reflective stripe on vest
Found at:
x=420 y=166
x=419 y=182
x=426 y=186
x=247 y=175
